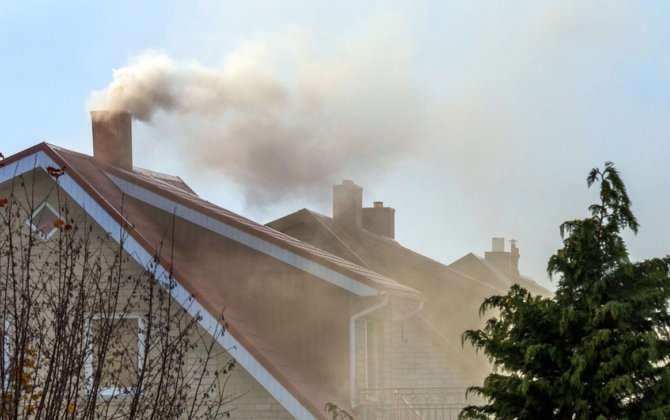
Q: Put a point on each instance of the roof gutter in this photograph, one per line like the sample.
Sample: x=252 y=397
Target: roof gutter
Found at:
x=352 y=344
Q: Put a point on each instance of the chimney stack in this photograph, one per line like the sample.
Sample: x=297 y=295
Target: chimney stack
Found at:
x=506 y=261
x=348 y=204
x=112 y=138
x=379 y=219
x=348 y=211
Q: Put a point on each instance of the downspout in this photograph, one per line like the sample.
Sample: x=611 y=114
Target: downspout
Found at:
x=352 y=344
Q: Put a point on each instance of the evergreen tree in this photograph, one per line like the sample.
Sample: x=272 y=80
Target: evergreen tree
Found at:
x=600 y=348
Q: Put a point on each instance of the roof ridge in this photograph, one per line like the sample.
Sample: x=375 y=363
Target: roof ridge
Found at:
x=448 y=267
x=159 y=176
x=163 y=179
x=348 y=248
x=415 y=254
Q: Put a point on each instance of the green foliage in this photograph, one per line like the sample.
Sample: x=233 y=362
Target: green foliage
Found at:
x=600 y=349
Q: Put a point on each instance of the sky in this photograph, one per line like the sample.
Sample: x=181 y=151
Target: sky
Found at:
x=473 y=119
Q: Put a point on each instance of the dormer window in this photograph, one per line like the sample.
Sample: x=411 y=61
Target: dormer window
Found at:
x=43 y=221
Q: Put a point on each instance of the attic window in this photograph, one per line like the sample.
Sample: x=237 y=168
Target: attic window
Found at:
x=43 y=221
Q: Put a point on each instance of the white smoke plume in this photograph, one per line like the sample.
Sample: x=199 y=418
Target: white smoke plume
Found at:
x=277 y=118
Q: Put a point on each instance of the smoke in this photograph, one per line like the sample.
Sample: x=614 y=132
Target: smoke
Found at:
x=153 y=82
x=278 y=118
x=489 y=114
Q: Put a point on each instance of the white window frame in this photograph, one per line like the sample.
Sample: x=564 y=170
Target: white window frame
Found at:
x=35 y=229
x=114 y=391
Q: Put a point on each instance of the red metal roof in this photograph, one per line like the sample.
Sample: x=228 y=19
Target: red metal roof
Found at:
x=181 y=193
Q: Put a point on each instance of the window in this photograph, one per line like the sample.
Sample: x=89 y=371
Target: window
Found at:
x=372 y=354
x=43 y=220
x=122 y=336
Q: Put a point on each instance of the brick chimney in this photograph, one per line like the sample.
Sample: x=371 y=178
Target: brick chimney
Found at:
x=379 y=219
x=112 y=138
x=348 y=204
x=505 y=261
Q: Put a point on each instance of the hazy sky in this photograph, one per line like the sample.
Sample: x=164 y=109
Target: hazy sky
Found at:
x=473 y=119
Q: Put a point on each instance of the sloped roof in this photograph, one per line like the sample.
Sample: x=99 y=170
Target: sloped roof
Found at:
x=452 y=296
x=505 y=279
x=93 y=177
x=92 y=173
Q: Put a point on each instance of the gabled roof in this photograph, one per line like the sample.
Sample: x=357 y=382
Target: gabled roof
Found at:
x=110 y=187
x=452 y=297
x=504 y=279
x=93 y=176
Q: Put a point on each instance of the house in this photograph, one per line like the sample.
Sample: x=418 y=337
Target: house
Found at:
x=317 y=309
x=365 y=236
x=305 y=327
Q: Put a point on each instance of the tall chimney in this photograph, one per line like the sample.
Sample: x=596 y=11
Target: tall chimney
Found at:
x=515 y=257
x=112 y=138
x=498 y=256
x=348 y=204
x=379 y=219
